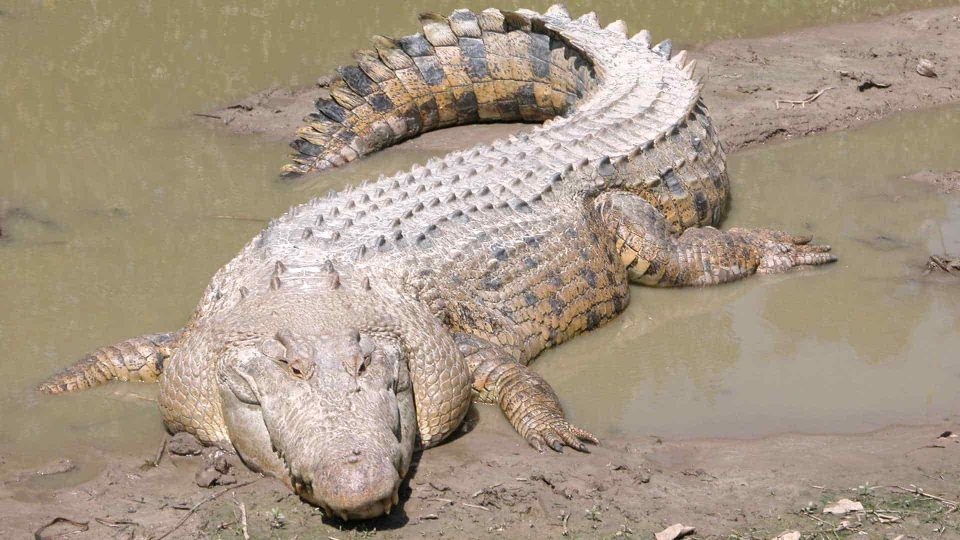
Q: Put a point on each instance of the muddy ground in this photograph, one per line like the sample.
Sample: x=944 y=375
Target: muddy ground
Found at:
x=488 y=483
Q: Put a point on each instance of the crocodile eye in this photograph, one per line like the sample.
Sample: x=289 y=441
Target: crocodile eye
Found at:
x=301 y=368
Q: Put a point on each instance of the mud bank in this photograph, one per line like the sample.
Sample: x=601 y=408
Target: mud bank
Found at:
x=865 y=71
x=488 y=484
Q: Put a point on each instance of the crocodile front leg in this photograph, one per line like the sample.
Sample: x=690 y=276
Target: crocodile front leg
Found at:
x=525 y=398
x=699 y=256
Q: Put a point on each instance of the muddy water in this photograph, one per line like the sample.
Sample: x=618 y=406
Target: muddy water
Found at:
x=119 y=209
x=855 y=346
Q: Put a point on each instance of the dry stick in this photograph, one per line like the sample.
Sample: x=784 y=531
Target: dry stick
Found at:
x=243 y=518
x=115 y=524
x=203 y=502
x=81 y=526
x=813 y=517
x=918 y=491
x=802 y=102
x=565 y=531
x=480 y=491
x=163 y=446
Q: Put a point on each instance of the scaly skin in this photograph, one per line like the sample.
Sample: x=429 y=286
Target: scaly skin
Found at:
x=356 y=323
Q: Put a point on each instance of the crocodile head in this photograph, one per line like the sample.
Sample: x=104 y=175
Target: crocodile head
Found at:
x=331 y=414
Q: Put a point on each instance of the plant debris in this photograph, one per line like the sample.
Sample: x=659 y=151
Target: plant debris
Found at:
x=843 y=506
x=674 y=531
x=926 y=68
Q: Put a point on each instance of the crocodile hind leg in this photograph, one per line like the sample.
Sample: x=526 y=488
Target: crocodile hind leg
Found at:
x=137 y=359
x=525 y=398
x=700 y=255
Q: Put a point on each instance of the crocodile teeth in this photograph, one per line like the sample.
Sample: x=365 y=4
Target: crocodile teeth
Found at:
x=663 y=48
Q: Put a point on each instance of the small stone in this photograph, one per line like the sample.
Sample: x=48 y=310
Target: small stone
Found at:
x=207 y=477
x=184 y=444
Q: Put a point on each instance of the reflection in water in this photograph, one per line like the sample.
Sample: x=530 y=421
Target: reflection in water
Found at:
x=95 y=138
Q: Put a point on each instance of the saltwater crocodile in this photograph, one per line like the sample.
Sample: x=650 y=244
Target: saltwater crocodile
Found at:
x=356 y=324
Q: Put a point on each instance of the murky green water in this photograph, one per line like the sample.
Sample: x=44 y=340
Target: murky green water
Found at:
x=128 y=208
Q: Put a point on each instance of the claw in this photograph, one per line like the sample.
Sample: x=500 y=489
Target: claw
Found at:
x=536 y=441
x=572 y=441
x=555 y=441
x=585 y=435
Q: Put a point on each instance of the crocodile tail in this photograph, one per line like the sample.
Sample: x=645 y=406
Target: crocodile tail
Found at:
x=137 y=359
x=492 y=66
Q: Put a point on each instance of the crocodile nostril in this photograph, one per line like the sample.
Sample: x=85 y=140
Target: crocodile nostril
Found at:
x=354 y=456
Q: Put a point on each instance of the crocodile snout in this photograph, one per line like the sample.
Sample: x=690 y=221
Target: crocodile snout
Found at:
x=354 y=487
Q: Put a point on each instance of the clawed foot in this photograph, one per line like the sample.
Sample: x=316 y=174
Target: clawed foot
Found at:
x=781 y=251
x=556 y=432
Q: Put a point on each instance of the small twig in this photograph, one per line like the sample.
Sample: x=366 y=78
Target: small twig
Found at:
x=243 y=518
x=563 y=522
x=813 y=517
x=478 y=492
x=801 y=102
x=119 y=524
x=163 y=447
x=920 y=492
x=81 y=526
x=468 y=505
x=205 y=115
x=203 y=502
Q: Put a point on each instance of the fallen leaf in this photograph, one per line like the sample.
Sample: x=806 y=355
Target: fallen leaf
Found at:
x=789 y=535
x=842 y=507
x=674 y=531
